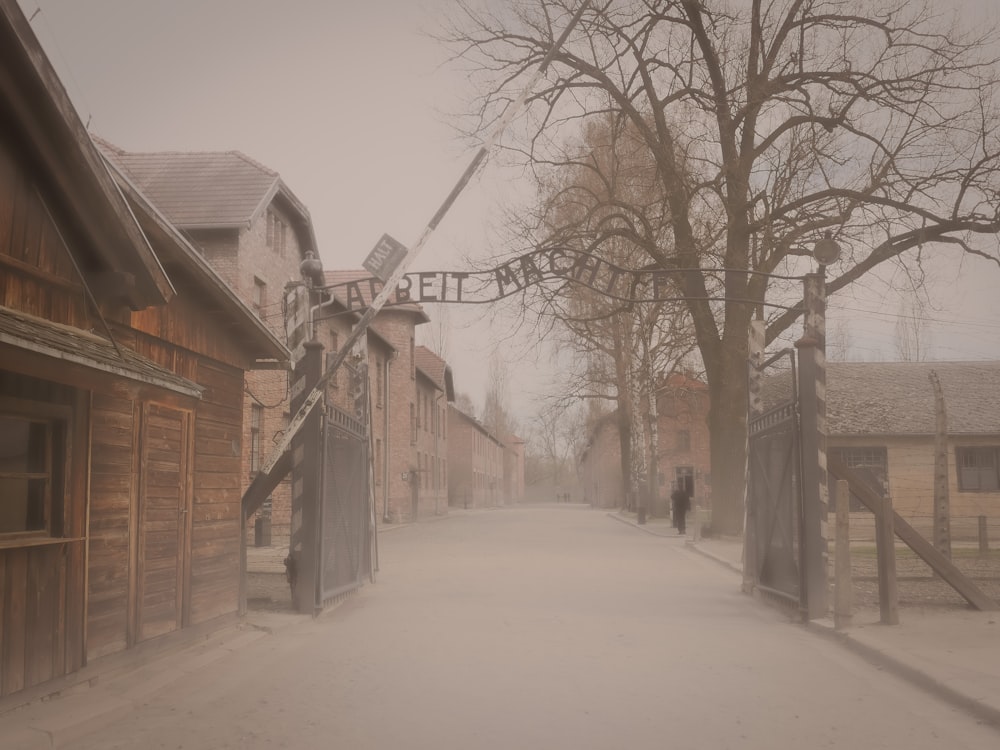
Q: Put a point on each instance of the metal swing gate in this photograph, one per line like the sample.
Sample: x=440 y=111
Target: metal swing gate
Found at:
x=344 y=508
x=774 y=498
x=785 y=544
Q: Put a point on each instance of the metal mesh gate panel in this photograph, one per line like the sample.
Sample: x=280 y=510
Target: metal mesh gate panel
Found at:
x=345 y=516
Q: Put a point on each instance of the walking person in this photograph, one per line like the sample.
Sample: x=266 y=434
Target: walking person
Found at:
x=680 y=501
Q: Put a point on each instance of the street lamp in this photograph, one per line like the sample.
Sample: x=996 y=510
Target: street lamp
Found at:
x=826 y=251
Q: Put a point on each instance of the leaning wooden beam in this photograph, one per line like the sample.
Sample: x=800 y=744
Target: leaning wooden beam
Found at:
x=924 y=549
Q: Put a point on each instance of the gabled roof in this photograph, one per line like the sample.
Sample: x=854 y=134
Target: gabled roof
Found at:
x=475 y=423
x=436 y=370
x=73 y=346
x=897 y=398
x=345 y=285
x=209 y=189
x=183 y=258
x=68 y=169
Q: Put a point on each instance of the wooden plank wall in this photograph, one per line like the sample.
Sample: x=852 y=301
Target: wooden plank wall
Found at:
x=162 y=505
x=112 y=492
x=36 y=274
x=215 y=534
x=41 y=587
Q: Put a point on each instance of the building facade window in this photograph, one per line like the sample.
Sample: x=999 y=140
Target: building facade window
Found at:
x=259 y=294
x=275 y=235
x=871 y=463
x=977 y=468
x=32 y=465
x=683 y=441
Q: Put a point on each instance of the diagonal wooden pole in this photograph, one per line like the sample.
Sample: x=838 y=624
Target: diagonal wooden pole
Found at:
x=263 y=477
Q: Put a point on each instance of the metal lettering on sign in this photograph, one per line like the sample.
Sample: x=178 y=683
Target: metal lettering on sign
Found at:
x=385 y=257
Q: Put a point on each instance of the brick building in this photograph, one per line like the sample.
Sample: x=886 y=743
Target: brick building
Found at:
x=255 y=233
x=475 y=463
x=410 y=386
x=683 y=449
x=600 y=467
x=435 y=389
x=684 y=444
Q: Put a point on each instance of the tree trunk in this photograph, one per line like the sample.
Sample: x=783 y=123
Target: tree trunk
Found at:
x=727 y=424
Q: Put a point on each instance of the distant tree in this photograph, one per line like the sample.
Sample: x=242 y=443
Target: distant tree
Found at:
x=839 y=342
x=465 y=404
x=496 y=415
x=912 y=337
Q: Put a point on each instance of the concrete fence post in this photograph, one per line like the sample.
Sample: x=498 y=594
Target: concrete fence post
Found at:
x=885 y=543
x=843 y=591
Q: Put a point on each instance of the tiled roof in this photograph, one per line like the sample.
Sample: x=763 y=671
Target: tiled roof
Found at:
x=430 y=365
x=198 y=189
x=897 y=398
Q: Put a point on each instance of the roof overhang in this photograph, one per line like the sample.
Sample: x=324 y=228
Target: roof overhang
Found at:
x=38 y=115
x=268 y=351
x=76 y=347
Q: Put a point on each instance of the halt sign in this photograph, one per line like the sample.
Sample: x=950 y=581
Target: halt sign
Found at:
x=385 y=257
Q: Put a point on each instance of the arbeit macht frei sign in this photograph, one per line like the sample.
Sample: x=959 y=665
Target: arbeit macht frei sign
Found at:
x=478 y=287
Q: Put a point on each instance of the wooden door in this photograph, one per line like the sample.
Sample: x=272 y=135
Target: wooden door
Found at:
x=164 y=505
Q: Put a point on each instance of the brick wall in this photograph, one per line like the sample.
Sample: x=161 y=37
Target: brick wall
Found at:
x=258 y=271
x=475 y=463
x=397 y=327
x=601 y=469
x=431 y=447
x=684 y=439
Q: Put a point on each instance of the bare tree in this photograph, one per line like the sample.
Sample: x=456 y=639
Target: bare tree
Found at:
x=496 y=409
x=839 y=342
x=622 y=345
x=768 y=124
x=465 y=404
x=554 y=440
x=912 y=338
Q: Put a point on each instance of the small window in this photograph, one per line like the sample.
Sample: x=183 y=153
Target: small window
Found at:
x=977 y=469
x=683 y=440
x=30 y=469
x=871 y=464
x=259 y=294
